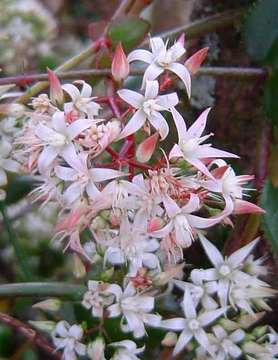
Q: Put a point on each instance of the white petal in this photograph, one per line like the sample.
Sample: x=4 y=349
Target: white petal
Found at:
x=240 y=255
x=171 y=206
x=62 y=328
x=72 y=193
x=157 y=44
x=46 y=158
x=210 y=152
x=197 y=128
x=150 y=261
x=212 y=252
x=114 y=256
x=175 y=152
x=198 y=164
x=44 y=133
x=103 y=174
x=72 y=90
x=174 y=324
x=131 y=97
x=177 y=50
x=86 y=90
x=69 y=154
x=202 y=339
x=188 y=305
x=237 y=336
x=192 y=205
x=209 y=316
x=152 y=89
x=182 y=72
x=11 y=165
x=168 y=101
x=223 y=291
x=152 y=72
x=140 y=55
x=152 y=320
x=159 y=123
x=76 y=331
x=183 y=340
x=81 y=349
x=92 y=191
x=65 y=173
x=180 y=123
x=58 y=122
x=78 y=126
x=164 y=231
x=134 y=124
x=114 y=310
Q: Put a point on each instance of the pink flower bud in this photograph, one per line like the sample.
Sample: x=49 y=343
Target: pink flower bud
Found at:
x=246 y=207
x=120 y=65
x=170 y=339
x=146 y=148
x=56 y=91
x=195 y=61
x=155 y=224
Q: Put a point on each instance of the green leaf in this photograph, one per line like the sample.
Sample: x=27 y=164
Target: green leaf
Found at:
x=18 y=187
x=269 y=202
x=131 y=31
x=261 y=29
x=271 y=96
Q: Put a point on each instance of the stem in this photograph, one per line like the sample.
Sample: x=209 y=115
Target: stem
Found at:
x=45 y=289
x=201 y=27
x=30 y=334
x=19 y=251
x=219 y=71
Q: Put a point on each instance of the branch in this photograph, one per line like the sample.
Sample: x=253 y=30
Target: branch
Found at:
x=201 y=27
x=196 y=28
x=81 y=57
x=237 y=72
x=45 y=289
x=30 y=334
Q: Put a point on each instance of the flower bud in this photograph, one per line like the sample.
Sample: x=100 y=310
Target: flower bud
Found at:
x=120 y=65
x=170 y=339
x=248 y=320
x=49 y=305
x=47 y=326
x=195 y=61
x=259 y=331
x=146 y=149
x=155 y=224
x=79 y=269
x=95 y=349
x=56 y=91
x=229 y=325
x=246 y=207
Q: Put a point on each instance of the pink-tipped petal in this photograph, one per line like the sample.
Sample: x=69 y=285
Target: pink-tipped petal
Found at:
x=198 y=127
x=56 y=91
x=120 y=64
x=181 y=39
x=246 y=207
x=146 y=149
x=195 y=61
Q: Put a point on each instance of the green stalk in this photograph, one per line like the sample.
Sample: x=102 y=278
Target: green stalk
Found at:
x=19 y=251
x=42 y=289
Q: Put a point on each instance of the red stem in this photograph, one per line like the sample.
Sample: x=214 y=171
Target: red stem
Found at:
x=29 y=333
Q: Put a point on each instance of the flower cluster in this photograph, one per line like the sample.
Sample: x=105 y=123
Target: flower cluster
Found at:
x=135 y=208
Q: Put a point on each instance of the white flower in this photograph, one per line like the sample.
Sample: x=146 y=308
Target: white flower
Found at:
x=183 y=223
x=68 y=338
x=192 y=325
x=148 y=108
x=161 y=59
x=83 y=178
x=6 y=164
x=225 y=345
x=226 y=270
x=135 y=310
x=58 y=139
x=81 y=100
x=133 y=245
x=190 y=145
x=99 y=296
x=200 y=291
x=127 y=350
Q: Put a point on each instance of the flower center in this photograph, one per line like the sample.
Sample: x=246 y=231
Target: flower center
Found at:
x=189 y=146
x=193 y=325
x=149 y=106
x=57 y=140
x=164 y=59
x=224 y=270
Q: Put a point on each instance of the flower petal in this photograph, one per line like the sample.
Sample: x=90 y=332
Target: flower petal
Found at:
x=212 y=252
x=103 y=174
x=180 y=123
x=183 y=340
x=46 y=158
x=175 y=152
x=174 y=324
x=198 y=127
x=65 y=173
x=152 y=89
x=168 y=101
x=78 y=126
x=240 y=255
x=157 y=45
x=182 y=72
x=209 y=316
x=152 y=72
x=134 y=124
x=159 y=123
x=72 y=91
x=131 y=97
x=140 y=55
x=58 y=121
x=188 y=305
